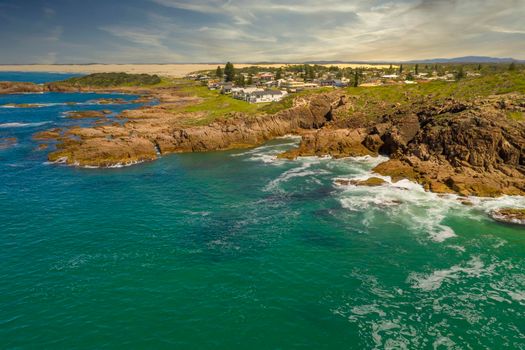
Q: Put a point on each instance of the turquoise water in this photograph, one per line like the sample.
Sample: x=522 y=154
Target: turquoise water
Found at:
x=237 y=249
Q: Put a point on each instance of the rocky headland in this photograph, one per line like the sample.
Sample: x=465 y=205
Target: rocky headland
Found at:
x=449 y=144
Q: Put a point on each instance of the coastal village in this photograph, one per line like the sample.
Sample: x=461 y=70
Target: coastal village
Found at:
x=262 y=84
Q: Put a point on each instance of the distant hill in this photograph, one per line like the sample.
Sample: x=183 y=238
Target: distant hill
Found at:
x=467 y=59
x=464 y=59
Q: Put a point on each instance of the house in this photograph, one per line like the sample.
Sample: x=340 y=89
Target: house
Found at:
x=226 y=88
x=266 y=96
x=331 y=82
x=213 y=84
x=265 y=76
x=243 y=93
x=292 y=85
x=311 y=85
x=390 y=76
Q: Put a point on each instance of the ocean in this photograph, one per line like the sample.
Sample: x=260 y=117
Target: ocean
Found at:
x=241 y=250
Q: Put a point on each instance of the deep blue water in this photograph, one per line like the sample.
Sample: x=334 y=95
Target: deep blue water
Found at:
x=38 y=77
x=238 y=249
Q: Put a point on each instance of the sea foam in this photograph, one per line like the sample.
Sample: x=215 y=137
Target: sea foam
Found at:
x=21 y=125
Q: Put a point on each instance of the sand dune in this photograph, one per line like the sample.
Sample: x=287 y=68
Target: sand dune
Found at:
x=173 y=70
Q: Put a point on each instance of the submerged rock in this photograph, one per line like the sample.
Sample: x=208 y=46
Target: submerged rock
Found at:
x=8 y=142
x=371 y=182
x=111 y=101
x=87 y=114
x=22 y=105
x=509 y=216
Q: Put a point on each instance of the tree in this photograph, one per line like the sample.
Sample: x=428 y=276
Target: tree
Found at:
x=417 y=69
x=239 y=81
x=311 y=73
x=460 y=74
x=410 y=76
x=279 y=74
x=229 y=72
x=512 y=66
x=219 y=73
x=250 y=79
x=356 y=78
x=400 y=69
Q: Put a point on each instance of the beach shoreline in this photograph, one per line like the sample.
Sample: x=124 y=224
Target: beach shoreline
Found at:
x=170 y=70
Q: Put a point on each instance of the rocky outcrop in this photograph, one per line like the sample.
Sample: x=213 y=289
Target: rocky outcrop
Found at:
x=87 y=114
x=334 y=142
x=13 y=87
x=370 y=182
x=145 y=138
x=472 y=149
x=509 y=216
x=51 y=134
x=448 y=147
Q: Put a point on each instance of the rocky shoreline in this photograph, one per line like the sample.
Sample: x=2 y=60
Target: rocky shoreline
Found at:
x=471 y=148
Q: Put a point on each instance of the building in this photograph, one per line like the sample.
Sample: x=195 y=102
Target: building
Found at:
x=265 y=76
x=390 y=76
x=266 y=96
x=244 y=93
x=226 y=88
x=332 y=82
x=292 y=85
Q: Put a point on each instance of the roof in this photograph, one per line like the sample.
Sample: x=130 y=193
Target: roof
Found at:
x=267 y=92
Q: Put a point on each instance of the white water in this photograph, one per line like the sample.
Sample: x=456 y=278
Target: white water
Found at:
x=21 y=125
x=403 y=202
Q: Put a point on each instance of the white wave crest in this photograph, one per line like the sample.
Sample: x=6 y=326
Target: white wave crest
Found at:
x=21 y=125
x=301 y=171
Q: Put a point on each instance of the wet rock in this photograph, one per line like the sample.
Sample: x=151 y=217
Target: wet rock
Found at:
x=111 y=101
x=8 y=142
x=22 y=105
x=51 y=134
x=509 y=216
x=87 y=114
x=370 y=182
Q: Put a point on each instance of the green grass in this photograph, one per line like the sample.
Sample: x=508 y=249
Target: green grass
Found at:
x=519 y=116
x=374 y=101
x=217 y=105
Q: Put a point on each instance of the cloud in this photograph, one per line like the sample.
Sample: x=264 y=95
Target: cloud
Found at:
x=139 y=36
x=270 y=30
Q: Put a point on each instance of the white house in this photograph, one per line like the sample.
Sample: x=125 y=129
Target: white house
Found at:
x=243 y=93
x=266 y=96
x=390 y=76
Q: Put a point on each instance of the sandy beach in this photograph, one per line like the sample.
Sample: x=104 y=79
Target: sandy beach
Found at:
x=172 y=70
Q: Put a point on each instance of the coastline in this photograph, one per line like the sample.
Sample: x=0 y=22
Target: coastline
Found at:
x=169 y=70
x=467 y=146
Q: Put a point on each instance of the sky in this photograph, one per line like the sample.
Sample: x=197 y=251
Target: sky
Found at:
x=197 y=31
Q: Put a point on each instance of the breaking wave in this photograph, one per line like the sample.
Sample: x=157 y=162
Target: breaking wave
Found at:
x=403 y=202
x=21 y=125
